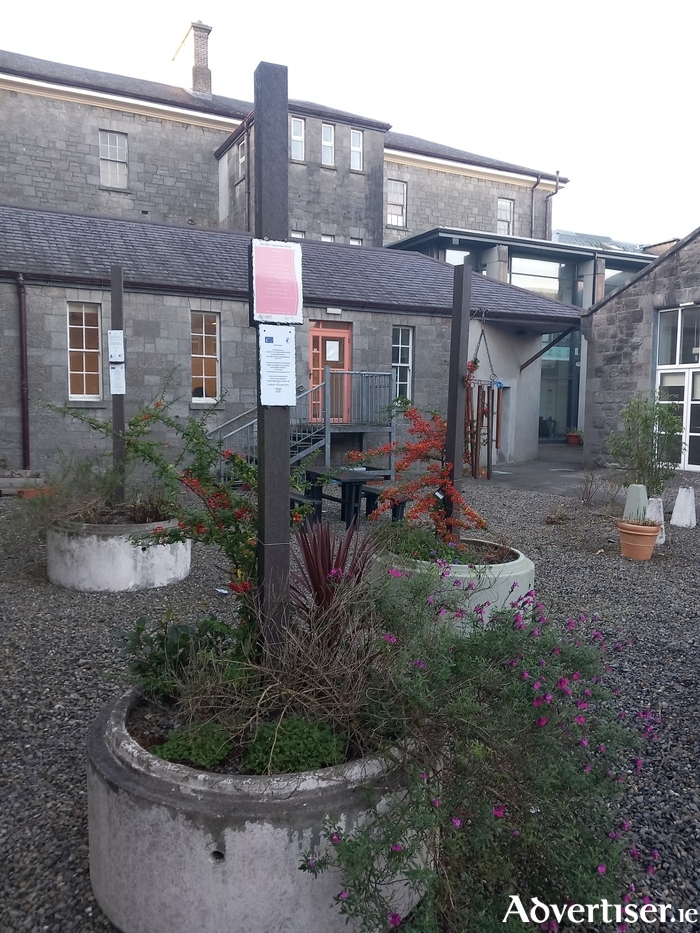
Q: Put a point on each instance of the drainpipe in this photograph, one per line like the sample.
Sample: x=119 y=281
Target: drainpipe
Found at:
x=547 y=218
x=24 y=369
x=532 y=206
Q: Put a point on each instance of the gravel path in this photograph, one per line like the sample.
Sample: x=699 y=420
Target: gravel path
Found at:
x=59 y=662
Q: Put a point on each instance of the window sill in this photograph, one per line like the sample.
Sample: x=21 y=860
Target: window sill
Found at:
x=396 y=226
x=357 y=171
x=116 y=190
x=298 y=161
x=206 y=405
x=85 y=403
x=330 y=168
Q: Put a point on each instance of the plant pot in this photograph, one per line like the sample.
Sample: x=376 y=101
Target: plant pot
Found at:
x=493 y=583
x=36 y=492
x=637 y=541
x=177 y=850
x=573 y=440
x=98 y=558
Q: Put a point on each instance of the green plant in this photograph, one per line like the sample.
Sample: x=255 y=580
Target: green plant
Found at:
x=204 y=745
x=649 y=447
x=293 y=744
x=577 y=431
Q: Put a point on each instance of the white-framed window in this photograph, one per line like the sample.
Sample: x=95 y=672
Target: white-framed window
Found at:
x=396 y=203
x=356 y=149
x=84 y=354
x=205 y=355
x=505 y=217
x=298 y=136
x=402 y=361
x=678 y=375
x=327 y=238
x=327 y=144
x=241 y=155
x=297 y=234
x=114 y=170
x=355 y=241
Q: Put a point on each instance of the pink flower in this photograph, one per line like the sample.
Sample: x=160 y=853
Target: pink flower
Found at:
x=536 y=685
x=343 y=895
x=548 y=698
x=397 y=847
x=392 y=571
x=456 y=821
x=538 y=701
x=419 y=664
x=576 y=676
x=583 y=742
x=587 y=768
x=542 y=721
x=638 y=763
x=335 y=838
x=524 y=675
x=499 y=812
x=394 y=919
x=423 y=776
x=601 y=748
x=516 y=832
x=556 y=650
x=391 y=639
x=436 y=802
x=602 y=869
x=579 y=720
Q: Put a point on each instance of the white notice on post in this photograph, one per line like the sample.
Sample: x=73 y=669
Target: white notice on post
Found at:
x=277 y=365
x=117 y=379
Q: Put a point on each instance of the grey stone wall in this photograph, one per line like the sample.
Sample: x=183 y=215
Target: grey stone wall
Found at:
x=49 y=149
x=157 y=329
x=438 y=198
x=621 y=337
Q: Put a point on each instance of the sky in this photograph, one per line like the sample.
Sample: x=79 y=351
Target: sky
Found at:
x=605 y=91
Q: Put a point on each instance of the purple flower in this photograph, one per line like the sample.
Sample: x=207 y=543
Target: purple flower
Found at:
x=335 y=838
x=579 y=720
x=499 y=812
x=436 y=802
x=343 y=895
x=391 y=639
x=602 y=869
x=397 y=847
x=542 y=721
x=419 y=664
x=516 y=832
x=423 y=776
x=430 y=600
x=394 y=919
x=394 y=572
x=311 y=863
x=456 y=821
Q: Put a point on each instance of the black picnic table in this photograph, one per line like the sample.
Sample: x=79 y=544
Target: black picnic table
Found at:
x=351 y=483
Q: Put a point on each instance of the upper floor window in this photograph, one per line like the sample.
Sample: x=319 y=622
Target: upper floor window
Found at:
x=327 y=238
x=402 y=360
x=506 y=215
x=297 y=235
x=298 y=139
x=114 y=171
x=679 y=340
x=327 y=144
x=396 y=203
x=205 y=355
x=355 y=241
x=356 y=145
x=84 y=357
x=240 y=159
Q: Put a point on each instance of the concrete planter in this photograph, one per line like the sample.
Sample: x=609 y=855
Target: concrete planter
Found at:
x=493 y=583
x=96 y=558
x=176 y=850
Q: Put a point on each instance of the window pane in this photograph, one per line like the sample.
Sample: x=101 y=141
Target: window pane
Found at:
x=298 y=150
x=668 y=337
x=92 y=338
x=210 y=388
x=690 y=337
x=197 y=344
x=209 y=366
x=696 y=386
x=326 y=133
x=92 y=384
x=672 y=387
x=76 y=384
x=92 y=363
x=197 y=323
x=210 y=346
x=695 y=419
x=75 y=337
x=197 y=366
x=694 y=451
x=210 y=324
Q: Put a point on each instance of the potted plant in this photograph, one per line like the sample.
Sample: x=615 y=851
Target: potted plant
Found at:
x=438 y=525
x=574 y=437
x=648 y=450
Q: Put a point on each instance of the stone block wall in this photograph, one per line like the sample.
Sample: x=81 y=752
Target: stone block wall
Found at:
x=444 y=199
x=49 y=149
x=622 y=335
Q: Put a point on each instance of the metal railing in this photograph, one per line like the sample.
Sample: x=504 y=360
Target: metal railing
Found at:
x=345 y=397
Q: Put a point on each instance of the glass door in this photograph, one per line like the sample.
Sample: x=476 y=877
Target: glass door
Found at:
x=682 y=389
x=331 y=345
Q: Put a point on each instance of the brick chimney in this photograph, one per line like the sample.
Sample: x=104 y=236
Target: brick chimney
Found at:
x=195 y=47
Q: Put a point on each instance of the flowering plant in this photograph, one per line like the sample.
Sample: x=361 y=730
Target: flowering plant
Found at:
x=429 y=490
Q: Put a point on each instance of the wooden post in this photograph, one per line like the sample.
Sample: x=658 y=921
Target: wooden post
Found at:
x=456 y=388
x=272 y=222
x=118 y=422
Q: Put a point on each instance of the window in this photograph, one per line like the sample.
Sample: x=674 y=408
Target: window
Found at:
x=205 y=355
x=297 y=234
x=327 y=144
x=355 y=241
x=240 y=159
x=113 y=160
x=402 y=360
x=84 y=357
x=298 y=133
x=356 y=150
x=327 y=238
x=506 y=213
x=396 y=203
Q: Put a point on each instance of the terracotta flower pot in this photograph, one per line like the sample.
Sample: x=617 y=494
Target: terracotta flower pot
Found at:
x=573 y=440
x=35 y=492
x=637 y=541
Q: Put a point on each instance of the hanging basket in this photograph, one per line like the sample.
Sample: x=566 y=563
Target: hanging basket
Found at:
x=637 y=541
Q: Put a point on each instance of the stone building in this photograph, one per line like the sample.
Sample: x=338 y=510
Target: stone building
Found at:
x=646 y=336
x=187 y=326
x=81 y=140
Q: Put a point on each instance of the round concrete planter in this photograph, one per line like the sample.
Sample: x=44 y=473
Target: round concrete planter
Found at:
x=176 y=850
x=493 y=583
x=96 y=558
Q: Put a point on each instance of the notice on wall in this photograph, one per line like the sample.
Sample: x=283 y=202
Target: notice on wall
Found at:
x=115 y=346
x=117 y=378
x=277 y=365
x=277 y=290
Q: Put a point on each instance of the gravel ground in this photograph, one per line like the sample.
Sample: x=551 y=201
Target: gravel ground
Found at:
x=59 y=662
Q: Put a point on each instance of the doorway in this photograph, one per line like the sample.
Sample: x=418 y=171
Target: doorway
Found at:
x=330 y=344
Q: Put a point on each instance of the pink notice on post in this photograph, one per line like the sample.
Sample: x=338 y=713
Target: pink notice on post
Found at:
x=277 y=292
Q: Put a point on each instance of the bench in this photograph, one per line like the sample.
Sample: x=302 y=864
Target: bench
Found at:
x=298 y=498
x=372 y=494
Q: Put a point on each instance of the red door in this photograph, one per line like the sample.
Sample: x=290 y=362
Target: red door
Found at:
x=330 y=344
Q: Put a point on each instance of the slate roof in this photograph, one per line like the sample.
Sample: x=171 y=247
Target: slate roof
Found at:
x=73 y=249
x=592 y=241
x=426 y=148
